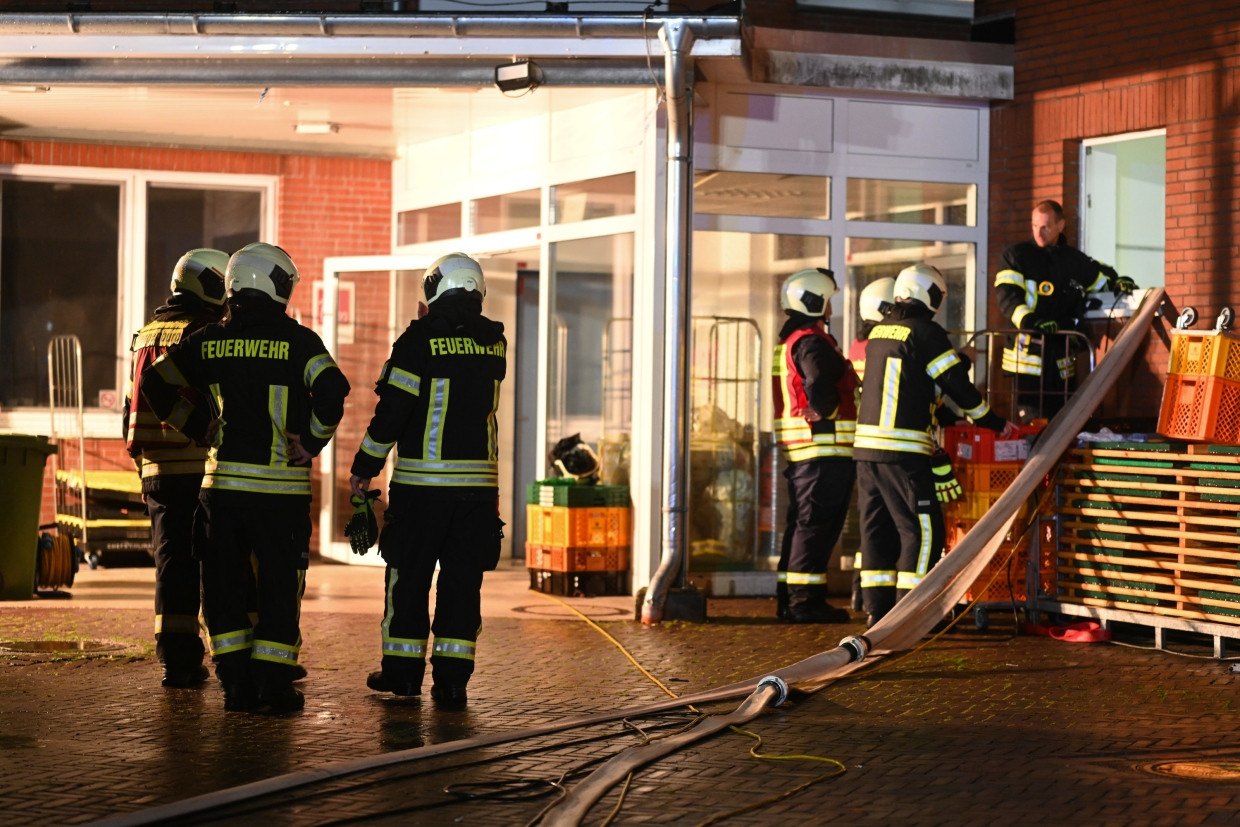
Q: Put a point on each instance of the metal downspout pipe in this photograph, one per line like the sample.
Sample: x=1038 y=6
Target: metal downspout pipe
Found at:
x=677 y=39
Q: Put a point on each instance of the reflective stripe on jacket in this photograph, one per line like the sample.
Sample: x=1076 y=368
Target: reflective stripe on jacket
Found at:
x=801 y=439
x=157 y=449
x=266 y=378
x=438 y=398
x=909 y=361
x=1044 y=284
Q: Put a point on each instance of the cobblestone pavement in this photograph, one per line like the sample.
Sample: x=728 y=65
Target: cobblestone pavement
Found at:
x=971 y=728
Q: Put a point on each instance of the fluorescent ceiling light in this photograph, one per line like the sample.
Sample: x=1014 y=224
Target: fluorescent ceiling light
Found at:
x=315 y=127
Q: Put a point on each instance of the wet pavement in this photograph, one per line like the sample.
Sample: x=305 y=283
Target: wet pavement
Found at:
x=971 y=728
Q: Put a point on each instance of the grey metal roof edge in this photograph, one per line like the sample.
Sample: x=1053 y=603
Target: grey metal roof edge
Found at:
x=369 y=25
x=431 y=71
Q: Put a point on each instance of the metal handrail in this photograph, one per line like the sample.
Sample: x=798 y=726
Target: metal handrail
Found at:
x=987 y=367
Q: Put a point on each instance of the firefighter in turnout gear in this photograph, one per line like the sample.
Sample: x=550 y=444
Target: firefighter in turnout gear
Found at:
x=171 y=464
x=273 y=398
x=908 y=360
x=815 y=417
x=1042 y=290
x=872 y=307
x=877 y=300
x=438 y=396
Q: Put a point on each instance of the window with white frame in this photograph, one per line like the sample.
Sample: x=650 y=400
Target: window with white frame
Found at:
x=90 y=252
x=1123 y=203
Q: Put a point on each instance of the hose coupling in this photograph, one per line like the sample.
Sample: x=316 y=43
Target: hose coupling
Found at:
x=781 y=687
x=858 y=647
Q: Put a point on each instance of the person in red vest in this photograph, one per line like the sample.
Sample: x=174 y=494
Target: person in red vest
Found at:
x=815 y=420
x=171 y=465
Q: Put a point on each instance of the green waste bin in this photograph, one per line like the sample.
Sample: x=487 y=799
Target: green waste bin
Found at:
x=22 y=458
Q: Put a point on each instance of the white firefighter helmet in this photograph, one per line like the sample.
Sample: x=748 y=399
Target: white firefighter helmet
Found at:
x=808 y=291
x=922 y=283
x=455 y=271
x=201 y=272
x=262 y=267
x=876 y=299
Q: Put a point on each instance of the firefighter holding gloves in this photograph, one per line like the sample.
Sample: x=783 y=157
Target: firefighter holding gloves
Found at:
x=815 y=418
x=908 y=360
x=1042 y=290
x=171 y=465
x=274 y=397
x=438 y=396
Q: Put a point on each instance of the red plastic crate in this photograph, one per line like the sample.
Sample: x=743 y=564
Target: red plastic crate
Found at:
x=572 y=559
x=1203 y=408
x=970 y=443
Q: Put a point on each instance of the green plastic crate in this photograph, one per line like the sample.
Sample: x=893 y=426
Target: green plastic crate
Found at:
x=554 y=492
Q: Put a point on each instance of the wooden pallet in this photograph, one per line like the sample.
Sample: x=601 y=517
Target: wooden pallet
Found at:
x=1151 y=531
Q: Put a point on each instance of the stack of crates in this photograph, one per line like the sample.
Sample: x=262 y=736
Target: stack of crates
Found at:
x=578 y=538
x=985 y=467
x=1202 y=398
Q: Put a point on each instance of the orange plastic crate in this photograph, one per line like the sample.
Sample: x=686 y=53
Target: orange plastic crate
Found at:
x=1000 y=591
x=1008 y=579
x=1205 y=408
x=986 y=477
x=972 y=505
x=562 y=525
x=566 y=558
x=1208 y=353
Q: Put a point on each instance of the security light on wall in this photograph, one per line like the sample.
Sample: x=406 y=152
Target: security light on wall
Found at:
x=315 y=128
x=518 y=75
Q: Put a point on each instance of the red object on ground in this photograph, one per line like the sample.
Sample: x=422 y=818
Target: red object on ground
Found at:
x=1085 y=632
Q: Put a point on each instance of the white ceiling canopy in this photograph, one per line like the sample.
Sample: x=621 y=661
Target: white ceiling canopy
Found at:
x=246 y=81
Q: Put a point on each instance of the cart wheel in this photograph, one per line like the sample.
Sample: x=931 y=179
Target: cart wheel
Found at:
x=1187 y=319
x=981 y=618
x=1225 y=317
x=92 y=560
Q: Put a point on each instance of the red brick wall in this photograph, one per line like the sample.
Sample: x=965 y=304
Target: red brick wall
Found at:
x=326 y=207
x=1086 y=70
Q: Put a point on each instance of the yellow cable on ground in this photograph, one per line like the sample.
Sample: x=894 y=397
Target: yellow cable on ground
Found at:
x=617 y=643
x=753 y=750
x=840 y=770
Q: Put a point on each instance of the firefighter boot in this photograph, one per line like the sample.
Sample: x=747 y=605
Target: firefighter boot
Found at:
x=380 y=681
x=449 y=695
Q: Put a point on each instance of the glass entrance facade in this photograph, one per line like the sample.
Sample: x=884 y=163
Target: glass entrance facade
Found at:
x=782 y=181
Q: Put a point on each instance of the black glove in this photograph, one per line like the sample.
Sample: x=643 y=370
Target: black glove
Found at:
x=362 y=529
x=1122 y=286
x=946 y=486
x=1046 y=326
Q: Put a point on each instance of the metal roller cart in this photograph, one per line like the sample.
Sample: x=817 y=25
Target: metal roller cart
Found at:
x=985 y=466
x=100 y=511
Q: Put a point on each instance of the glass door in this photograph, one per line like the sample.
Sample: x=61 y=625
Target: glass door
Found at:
x=593 y=288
